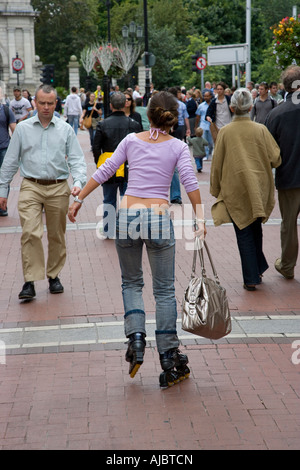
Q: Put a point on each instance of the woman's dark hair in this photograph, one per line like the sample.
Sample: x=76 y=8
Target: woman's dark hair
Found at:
x=163 y=110
x=132 y=104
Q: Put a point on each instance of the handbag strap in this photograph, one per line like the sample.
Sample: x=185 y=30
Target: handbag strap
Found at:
x=198 y=249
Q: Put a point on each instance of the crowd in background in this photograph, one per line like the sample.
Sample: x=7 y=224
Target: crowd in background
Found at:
x=247 y=132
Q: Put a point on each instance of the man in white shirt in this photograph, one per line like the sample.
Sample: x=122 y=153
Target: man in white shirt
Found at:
x=20 y=106
x=218 y=112
x=73 y=109
x=45 y=150
x=136 y=94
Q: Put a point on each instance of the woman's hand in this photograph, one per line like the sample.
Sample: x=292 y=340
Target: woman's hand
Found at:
x=73 y=211
x=200 y=229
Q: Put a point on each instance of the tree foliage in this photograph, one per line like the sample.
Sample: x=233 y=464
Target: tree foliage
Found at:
x=176 y=30
x=63 y=28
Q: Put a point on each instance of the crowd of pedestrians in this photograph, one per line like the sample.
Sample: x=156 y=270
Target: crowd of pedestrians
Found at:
x=145 y=153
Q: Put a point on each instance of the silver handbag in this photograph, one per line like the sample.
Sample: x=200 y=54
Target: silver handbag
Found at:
x=205 y=310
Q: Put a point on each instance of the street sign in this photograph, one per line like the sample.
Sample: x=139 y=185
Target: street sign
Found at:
x=17 y=64
x=227 y=54
x=201 y=63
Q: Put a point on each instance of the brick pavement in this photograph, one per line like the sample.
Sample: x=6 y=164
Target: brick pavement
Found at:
x=240 y=395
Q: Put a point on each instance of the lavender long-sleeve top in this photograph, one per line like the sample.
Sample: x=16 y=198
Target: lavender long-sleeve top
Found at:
x=151 y=166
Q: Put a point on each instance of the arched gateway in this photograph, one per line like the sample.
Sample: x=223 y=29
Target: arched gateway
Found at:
x=17 y=37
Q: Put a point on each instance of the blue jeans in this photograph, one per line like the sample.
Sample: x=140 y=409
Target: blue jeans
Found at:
x=110 y=191
x=136 y=227
x=74 y=122
x=250 y=241
x=92 y=133
x=175 y=192
x=208 y=148
x=198 y=162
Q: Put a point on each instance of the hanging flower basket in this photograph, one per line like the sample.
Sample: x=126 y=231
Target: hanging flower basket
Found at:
x=286 y=44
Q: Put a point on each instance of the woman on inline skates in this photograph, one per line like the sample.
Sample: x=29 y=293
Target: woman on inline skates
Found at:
x=144 y=218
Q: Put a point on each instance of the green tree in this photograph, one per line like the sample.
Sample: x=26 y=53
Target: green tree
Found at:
x=183 y=64
x=272 y=11
x=63 y=28
x=168 y=24
x=267 y=70
x=163 y=43
x=221 y=21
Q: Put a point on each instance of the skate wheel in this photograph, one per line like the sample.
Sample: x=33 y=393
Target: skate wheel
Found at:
x=134 y=370
x=171 y=384
x=168 y=379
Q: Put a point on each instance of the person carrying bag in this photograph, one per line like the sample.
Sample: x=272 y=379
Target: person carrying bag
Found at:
x=205 y=310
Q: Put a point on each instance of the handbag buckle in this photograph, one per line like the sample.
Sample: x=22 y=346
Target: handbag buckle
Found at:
x=192 y=303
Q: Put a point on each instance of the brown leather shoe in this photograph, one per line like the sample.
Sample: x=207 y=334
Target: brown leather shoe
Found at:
x=281 y=271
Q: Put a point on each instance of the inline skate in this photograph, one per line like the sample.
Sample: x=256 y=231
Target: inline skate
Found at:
x=135 y=352
x=175 y=369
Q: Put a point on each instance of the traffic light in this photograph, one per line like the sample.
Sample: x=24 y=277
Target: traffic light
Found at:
x=195 y=57
x=47 y=75
x=51 y=74
x=194 y=60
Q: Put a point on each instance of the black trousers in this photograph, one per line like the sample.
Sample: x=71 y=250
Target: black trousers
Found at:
x=250 y=244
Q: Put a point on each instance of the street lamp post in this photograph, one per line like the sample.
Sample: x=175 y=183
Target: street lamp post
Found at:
x=106 y=81
x=108 y=6
x=248 y=40
x=133 y=31
x=147 y=68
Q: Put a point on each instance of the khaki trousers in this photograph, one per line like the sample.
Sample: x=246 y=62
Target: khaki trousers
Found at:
x=33 y=199
x=289 y=204
x=214 y=130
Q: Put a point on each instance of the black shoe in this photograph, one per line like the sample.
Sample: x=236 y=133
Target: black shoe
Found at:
x=55 y=286
x=174 y=365
x=176 y=201
x=28 y=291
x=3 y=213
x=135 y=352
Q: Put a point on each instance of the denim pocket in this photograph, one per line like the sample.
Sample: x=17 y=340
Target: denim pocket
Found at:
x=160 y=230
x=124 y=230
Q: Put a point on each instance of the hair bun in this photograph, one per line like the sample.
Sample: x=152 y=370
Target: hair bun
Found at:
x=163 y=110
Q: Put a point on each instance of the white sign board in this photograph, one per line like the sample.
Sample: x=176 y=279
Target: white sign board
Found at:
x=227 y=55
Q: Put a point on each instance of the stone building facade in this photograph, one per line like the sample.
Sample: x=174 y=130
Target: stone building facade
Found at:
x=17 y=37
